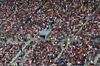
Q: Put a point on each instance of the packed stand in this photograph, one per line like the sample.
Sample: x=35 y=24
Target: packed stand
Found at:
x=11 y=27
x=92 y=29
x=65 y=17
x=7 y=8
x=8 y=51
x=43 y=53
x=18 y=24
x=78 y=53
x=23 y=54
x=76 y=17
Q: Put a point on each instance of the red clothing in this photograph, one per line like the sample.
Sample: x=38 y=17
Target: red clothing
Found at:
x=33 y=14
x=13 y=37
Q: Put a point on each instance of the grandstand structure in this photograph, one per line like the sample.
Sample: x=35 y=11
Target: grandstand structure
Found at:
x=50 y=33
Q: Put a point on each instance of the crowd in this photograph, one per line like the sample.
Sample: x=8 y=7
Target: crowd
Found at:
x=7 y=8
x=13 y=23
x=8 y=51
x=63 y=17
x=84 y=50
x=43 y=53
x=57 y=17
x=78 y=53
x=23 y=54
x=65 y=21
x=18 y=23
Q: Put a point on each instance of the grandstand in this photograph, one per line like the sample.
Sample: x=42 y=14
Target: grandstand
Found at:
x=49 y=32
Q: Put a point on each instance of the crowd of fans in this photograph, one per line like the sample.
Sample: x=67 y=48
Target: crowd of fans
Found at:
x=78 y=53
x=63 y=17
x=14 y=16
x=66 y=21
x=17 y=25
x=57 y=17
x=9 y=51
x=7 y=8
x=43 y=53
x=23 y=54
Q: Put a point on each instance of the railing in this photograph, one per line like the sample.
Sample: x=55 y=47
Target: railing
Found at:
x=46 y=37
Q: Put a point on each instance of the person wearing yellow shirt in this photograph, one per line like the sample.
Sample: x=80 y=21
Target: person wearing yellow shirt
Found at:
x=51 y=38
x=64 y=45
x=82 y=24
x=38 y=37
x=50 y=61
